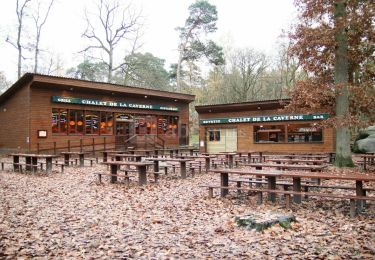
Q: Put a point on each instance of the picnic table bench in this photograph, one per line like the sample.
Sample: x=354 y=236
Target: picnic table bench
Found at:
x=140 y=166
x=296 y=177
x=181 y=161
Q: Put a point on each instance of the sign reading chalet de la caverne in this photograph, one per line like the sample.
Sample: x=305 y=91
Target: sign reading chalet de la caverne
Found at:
x=94 y=102
x=257 y=119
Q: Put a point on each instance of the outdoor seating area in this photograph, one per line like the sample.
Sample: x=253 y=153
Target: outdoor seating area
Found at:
x=203 y=186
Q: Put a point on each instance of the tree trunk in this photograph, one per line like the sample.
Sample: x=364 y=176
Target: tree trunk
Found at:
x=110 y=65
x=343 y=153
x=178 y=76
x=36 y=52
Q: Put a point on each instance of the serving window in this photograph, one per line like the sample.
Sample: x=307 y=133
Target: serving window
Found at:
x=304 y=133
x=76 y=123
x=269 y=133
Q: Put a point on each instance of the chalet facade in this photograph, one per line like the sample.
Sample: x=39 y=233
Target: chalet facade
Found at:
x=40 y=113
x=261 y=126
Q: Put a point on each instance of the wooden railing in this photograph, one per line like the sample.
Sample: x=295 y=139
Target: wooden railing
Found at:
x=88 y=145
x=145 y=141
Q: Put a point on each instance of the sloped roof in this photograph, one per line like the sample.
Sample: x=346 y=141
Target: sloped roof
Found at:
x=243 y=106
x=48 y=80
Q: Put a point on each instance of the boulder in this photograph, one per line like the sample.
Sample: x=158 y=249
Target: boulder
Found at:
x=369 y=130
x=367 y=144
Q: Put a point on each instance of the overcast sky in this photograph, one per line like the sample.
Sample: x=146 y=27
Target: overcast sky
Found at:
x=244 y=23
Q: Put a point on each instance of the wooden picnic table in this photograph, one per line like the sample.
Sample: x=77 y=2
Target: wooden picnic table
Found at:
x=141 y=169
x=172 y=151
x=180 y=160
x=296 y=176
x=368 y=159
x=190 y=149
x=137 y=157
x=81 y=156
x=147 y=152
x=106 y=153
x=207 y=159
x=295 y=161
x=260 y=166
x=32 y=161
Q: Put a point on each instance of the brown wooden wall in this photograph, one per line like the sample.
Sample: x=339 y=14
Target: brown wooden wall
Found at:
x=245 y=139
x=29 y=109
x=41 y=110
x=14 y=117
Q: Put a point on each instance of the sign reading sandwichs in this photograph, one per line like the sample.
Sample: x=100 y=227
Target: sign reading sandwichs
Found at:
x=256 y=119
x=94 y=102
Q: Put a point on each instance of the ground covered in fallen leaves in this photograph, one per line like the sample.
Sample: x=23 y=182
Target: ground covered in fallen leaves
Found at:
x=71 y=216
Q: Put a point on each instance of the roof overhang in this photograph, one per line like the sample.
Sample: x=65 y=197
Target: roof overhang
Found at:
x=244 y=106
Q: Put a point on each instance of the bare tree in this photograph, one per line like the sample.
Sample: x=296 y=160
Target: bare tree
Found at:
x=116 y=24
x=247 y=68
x=20 y=11
x=39 y=21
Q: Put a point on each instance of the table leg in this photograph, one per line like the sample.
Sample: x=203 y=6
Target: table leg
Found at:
x=28 y=163
x=81 y=160
x=142 y=176
x=114 y=173
x=49 y=165
x=297 y=188
x=66 y=159
x=171 y=153
x=359 y=192
x=156 y=153
x=364 y=163
x=105 y=156
x=16 y=161
x=230 y=161
x=260 y=157
x=224 y=179
x=34 y=164
x=156 y=166
x=207 y=164
x=183 y=170
x=118 y=158
x=271 y=186
x=191 y=152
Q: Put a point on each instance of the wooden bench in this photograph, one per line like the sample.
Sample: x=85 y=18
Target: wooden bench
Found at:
x=306 y=185
x=3 y=165
x=56 y=163
x=288 y=194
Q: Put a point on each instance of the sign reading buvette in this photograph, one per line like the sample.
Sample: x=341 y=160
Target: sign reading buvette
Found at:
x=94 y=102
x=256 y=119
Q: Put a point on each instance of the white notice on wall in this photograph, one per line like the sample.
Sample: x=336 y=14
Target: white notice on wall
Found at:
x=201 y=144
x=27 y=139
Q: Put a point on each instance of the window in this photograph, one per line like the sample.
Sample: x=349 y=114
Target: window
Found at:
x=79 y=122
x=59 y=121
x=92 y=122
x=214 y=136
x=304 y=133
x=167 y=125
x=269 y=133
x=106 y=123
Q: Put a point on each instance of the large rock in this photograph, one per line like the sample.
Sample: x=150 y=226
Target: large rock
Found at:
x=367 y=144
x=369 y=130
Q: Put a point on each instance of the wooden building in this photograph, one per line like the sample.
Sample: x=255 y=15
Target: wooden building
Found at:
x=261 y=126
x=40 y=113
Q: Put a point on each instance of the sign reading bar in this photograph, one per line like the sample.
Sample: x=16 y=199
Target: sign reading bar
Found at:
x=94 y=102
x=256 y=119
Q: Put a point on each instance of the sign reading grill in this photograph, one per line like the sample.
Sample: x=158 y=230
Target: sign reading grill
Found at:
x=256 y=119
x=94 y=102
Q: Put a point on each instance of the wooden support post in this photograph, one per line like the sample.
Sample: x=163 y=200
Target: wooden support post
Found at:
x=287 y=201
x=81 y=145
x=93 y=146
x=259 y=197
x=239 y=186
x=353 y=210
x=210 y=192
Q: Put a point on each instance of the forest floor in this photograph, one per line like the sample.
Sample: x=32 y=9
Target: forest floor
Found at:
x=71 y=216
